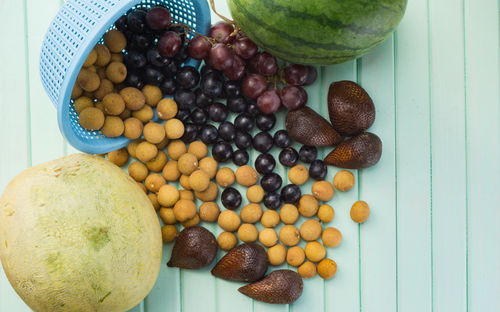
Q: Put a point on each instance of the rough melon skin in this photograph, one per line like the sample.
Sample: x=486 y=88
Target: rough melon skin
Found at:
x=318 y=32
x=78 y=234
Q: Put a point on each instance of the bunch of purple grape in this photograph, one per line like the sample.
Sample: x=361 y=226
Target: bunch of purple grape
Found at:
x=238 y=57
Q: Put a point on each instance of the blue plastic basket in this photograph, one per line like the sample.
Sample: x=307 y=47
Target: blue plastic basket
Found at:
x=77 y=28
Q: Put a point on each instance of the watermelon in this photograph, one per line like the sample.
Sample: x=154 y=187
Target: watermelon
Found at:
x=317 y=32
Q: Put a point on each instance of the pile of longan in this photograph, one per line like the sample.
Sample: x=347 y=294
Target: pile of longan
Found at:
x=190 y=165
x=103 y=103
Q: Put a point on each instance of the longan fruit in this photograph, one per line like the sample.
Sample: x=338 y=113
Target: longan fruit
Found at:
x=246 y=176
x=187 y=163
x=176 y=149
x=125 y=114
x=113 y=127
x=268 y=237
x=115 y=40
x=116 y=57
x=146 y=151
x=106 y=87
x=103 y=55
x=144 y=114
x=168 y=195
x=154 y=182
x=101 y=72
x=142 y=187
x=209 y=212
x=91 y=118
x=225 y=177
x=113 y=104
x=116 y=72
x=154 y=201
x=251 y=213
x=289 y=235
x=308 y=206
x=276 y=255
x=198 y=149
x=152 y=94
x=307 y=269
x=310 y=230
x=229 y=220
x=327 y=268
x=270 y=219
x=289 y=214
x=323 y=190
x=91 y=58
x=100 y=106
x=248 y=233
x=210 y=194
x=132 y=147
x=133 y=128
x=344 y=180
x=88 y=80
x=331 y=237
x=166 y=109
x=118 y=157
x=315 y=251
x=134 y=99
x=138 y=171
x=82 y=103
x=154 y=132
x=77 y=91
x=298 y=174
x=184 y=182
x=227 y=241
x=184 y=210
x=186 y=194
x=295 y=256
x=167 y=215
x=360 y=211
x=326 y=213
x=209 y=165
x=158 y=163
x=168 y=233
x=174 y=128
x=255 y=193
x=199 y=180
x=93 y=69
x=171 y=172
x=162 y=144
x=191 y=222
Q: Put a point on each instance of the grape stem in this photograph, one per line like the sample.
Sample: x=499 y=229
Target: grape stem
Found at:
x=189 y=29
x=236 y=28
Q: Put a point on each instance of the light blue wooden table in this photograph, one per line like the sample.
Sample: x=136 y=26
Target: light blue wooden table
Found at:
x=433 y=240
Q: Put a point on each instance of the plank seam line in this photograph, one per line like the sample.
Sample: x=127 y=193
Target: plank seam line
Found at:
x=429 y=82
x=466 y=138
x=27 y=83
x=322 y=112
x=394 y=79
x=358 y=81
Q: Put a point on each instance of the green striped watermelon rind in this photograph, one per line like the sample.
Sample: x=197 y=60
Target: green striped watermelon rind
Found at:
x=317 y=32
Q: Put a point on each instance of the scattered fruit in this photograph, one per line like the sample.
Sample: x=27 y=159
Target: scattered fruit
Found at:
x=327 y=268
x=195 y=248
x=360 y=211
x=308 y=127
x=279 y=287
x=343 y=180
x=361 y=151
x=244 y=263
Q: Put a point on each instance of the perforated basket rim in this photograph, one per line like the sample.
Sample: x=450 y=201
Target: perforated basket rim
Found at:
x=92 y=38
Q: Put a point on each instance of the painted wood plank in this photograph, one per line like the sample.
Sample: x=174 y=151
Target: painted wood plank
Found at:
x=47 y=141
x=483 y=152
x=377 y=187
x=413 y=163
x=448 y=156
x=342 y=293
x=14 y=117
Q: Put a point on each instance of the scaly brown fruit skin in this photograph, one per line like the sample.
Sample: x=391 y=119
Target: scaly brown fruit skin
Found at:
x=361 y=151
x=244 y=263
x=308 y=127
x=279 y=287
x=195 y=248
x=350 y=108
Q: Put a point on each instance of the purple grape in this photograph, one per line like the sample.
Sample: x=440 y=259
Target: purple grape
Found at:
x=300 y=75
x=253 y=85
x=293 y=97
x=220 y=57
x=269 y=101
x=199 y=47
x=237 y=70
x=245 y=48
x=267 y=64
x=169 y=44
x=221 y=32
x=158 y=18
